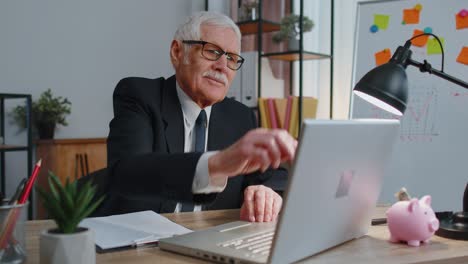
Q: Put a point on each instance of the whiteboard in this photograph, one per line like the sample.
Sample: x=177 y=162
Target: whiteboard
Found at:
x=431 y=155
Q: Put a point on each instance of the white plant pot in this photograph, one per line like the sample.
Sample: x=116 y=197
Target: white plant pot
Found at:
x=76 y=248
x=293 y=44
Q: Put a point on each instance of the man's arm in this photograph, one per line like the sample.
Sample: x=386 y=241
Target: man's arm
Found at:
x=258 y=150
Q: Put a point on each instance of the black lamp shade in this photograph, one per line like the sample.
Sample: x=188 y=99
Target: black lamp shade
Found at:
x=385 y=86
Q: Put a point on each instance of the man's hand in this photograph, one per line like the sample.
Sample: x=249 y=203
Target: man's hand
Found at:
x=261 y=204
x=259 y=149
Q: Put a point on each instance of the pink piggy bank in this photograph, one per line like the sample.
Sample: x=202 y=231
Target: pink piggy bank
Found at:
x=412 y=221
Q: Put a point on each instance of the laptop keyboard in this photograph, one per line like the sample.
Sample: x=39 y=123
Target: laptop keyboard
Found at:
x=253 y=246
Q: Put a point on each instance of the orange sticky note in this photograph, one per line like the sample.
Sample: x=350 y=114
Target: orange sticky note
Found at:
x=382 y=57
x=419 y=41
x=461 y=22
x=411 y=16
x=463 y=56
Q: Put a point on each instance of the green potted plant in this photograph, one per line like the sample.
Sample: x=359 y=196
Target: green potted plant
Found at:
x=46 y=113
x=248 y=10
x=67 y=206
x=289 y=29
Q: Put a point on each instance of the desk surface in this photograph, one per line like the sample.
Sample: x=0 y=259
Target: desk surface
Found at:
x=369 y=249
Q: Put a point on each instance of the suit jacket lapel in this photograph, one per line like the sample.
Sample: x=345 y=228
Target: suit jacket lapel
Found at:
x=172 y=117
x=216 y=130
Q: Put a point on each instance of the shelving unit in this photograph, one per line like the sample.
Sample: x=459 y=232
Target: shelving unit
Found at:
x=8 y=148
x=251 y=27
x=261 y=26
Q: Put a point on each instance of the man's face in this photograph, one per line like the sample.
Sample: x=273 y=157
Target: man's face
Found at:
x=205 y=81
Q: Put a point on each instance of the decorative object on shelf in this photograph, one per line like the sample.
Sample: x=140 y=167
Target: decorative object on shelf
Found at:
x=67 y=206
x=412 y=221
x=248 y=10
x=47 y=112
x=290 y=30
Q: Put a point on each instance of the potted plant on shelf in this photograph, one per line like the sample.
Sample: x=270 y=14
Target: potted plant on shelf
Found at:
x=290 y=30
x=46 y=112
x=67 y=206
x=248 y=10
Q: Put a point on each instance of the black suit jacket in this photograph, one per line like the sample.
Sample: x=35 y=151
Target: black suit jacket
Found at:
x=147 y=164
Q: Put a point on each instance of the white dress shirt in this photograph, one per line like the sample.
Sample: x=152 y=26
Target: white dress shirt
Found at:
x=202 y=183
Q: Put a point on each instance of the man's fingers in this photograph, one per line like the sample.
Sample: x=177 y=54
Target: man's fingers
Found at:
x=279 y=143
x=277 y=203
x=273 y=151
x=259 y=204
x=259 y=149
x=249 y=204
x=266 y=141
x=286 y=144
x=268 y=205
x=243 y=213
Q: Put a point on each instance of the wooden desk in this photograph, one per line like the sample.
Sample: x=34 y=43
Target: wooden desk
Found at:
x=372 y=248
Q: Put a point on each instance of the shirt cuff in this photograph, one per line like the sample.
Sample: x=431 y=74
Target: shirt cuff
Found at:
x=202 y=182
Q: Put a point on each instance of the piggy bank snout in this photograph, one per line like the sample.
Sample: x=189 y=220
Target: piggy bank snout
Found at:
x=434 y=225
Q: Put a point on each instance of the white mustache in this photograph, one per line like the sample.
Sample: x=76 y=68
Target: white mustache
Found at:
x=216 y=75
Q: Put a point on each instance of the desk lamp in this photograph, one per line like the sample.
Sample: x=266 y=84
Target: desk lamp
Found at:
x=386 y=86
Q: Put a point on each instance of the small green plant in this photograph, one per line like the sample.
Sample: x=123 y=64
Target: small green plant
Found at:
x=290 y=27
x=47 y=110
x=248 y=9
x=66 y=204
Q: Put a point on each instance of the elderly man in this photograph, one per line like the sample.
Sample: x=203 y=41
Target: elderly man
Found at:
x=179 y=144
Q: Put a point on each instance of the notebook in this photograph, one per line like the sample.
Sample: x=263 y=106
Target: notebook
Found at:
x=131 y=230
x=333 y=189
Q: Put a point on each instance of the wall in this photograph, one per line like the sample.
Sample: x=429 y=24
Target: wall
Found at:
x=81 y=49
x=344 y=31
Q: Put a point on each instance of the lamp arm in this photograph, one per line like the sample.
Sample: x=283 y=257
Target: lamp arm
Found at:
x=426 y=67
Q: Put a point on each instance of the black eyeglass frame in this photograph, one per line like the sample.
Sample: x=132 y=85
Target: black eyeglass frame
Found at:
x=228 y=54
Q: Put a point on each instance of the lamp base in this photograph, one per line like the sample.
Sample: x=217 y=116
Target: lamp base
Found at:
x=453 y=225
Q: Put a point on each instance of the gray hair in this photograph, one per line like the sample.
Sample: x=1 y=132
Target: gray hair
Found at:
x=190 y=29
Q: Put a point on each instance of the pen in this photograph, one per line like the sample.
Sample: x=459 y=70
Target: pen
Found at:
x=19 y=189
x=27 y=189
x=13 y=215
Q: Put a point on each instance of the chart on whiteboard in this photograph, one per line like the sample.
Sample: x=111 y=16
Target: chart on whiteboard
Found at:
x=419 y=124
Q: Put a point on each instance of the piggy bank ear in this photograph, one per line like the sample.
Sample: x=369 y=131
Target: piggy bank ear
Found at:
x=413 y=205
x=426 y=200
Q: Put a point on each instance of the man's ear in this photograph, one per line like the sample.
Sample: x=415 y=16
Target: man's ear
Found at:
x=176 y=53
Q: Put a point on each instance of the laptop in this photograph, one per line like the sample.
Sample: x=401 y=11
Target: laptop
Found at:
x=332 y=192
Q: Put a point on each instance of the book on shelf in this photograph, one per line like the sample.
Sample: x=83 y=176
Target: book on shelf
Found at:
x=272 y=113
x=280 y=107
x=262 y=112
x=284 y=112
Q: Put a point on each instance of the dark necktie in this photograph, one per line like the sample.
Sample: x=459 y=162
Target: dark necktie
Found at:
x=200 y=132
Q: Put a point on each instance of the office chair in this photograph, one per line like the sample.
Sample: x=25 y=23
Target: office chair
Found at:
x=100 y=178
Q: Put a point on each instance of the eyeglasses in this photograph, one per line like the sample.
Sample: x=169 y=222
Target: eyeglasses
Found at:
x=213 y=52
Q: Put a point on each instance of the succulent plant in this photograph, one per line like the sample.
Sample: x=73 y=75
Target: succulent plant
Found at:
x=66 y=204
